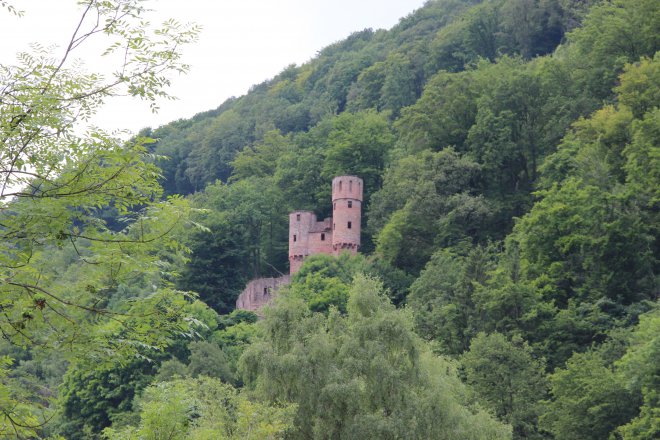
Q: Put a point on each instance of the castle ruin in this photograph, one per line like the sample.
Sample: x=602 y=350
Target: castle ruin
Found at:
x=341 y=232
x=308 y=236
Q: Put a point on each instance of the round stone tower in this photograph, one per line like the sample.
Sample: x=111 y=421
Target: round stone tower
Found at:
x=346 y=213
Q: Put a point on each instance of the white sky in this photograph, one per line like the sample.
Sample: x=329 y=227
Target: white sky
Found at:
x=243 y=42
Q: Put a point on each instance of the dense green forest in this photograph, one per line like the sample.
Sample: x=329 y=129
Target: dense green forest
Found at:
x=507 y=285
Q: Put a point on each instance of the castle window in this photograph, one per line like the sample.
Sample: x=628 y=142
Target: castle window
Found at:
x=322 y=237
x=349 y=225
x=340 y=185
x=350 y=203
x=294 y=237
x=298 y=217
x=265 y=290
x=334 y=206
x=350 y=185
x=334 y=226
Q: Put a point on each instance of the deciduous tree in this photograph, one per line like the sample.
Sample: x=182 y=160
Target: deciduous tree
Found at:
x=55 y=177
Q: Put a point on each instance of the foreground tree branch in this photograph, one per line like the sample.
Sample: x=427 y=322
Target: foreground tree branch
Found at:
x=81 y=215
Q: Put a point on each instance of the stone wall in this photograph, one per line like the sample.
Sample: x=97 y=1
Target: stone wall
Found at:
x=259 y=292
x=307 y=236
x=320 y=242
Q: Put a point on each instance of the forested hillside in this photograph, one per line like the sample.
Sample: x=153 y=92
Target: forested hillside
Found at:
x=507 y=285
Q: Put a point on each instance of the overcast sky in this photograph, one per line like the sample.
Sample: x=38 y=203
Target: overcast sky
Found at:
x=243 y=42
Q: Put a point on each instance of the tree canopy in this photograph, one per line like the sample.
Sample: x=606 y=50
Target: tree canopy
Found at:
x=62 y=263
x=507 y=282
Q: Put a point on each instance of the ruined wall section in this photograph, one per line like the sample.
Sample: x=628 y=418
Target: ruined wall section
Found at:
x=259 y=292
x=307 y=236
x=320 y=238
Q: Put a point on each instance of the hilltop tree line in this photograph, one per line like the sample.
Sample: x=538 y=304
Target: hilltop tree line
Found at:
x=507 y=285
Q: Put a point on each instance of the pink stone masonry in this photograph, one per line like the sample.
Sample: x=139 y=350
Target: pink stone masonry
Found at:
x=259 y=292
x=341 y=232
x=308 y=236
x=346 y=213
